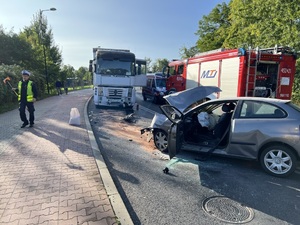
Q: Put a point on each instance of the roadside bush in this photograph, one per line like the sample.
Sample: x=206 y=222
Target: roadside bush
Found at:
x=6 y=93
x=14 y=73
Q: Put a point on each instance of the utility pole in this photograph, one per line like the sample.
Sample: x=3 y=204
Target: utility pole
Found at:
x=44 y=47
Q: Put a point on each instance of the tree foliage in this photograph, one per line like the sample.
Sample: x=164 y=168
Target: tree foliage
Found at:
x=48 y=55
x=67 y=75
x=34 y=49
x=265 y=23
x=188 y=52
x=148 y=63
x=254 y=23
x=14 y=73
x=14 y=50
x=159 y=64
x=213 y=28
x=83 y=75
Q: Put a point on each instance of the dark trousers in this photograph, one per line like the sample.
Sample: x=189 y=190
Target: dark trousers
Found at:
x=31 y=110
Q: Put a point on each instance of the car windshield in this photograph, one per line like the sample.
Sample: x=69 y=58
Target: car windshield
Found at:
x=161 y=83
x=114 y=67
x=195 y=104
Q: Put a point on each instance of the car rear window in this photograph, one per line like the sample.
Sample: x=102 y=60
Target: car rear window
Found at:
x=257 y=109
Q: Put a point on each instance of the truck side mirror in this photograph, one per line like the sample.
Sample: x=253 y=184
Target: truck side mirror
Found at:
x=91 y=66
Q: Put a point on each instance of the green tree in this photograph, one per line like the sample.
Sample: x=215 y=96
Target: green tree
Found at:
x=188 y=52
x=148 y=63
x=257 y=23
x=213 y=28
x=83 y=75
x=159 y=64
x=15 y=51
x=14 y=74
x=68 y=75
x=48 y=57
x=296 y=85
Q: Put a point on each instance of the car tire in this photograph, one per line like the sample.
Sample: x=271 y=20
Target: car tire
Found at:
x=144 y=98
x=278 y=160
x=160 y=138
x=155 y=100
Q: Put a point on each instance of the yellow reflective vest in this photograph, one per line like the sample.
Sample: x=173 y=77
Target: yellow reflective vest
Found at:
x=29 y=91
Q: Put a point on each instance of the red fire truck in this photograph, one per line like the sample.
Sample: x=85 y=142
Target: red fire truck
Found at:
x=237 y=72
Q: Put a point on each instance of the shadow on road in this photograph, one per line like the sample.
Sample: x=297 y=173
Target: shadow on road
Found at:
x=246 y=182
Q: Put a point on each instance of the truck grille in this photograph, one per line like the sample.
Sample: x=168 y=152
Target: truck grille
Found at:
x=113 y=92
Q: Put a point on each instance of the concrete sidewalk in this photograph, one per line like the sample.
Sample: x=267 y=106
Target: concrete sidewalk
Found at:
x=54 y=173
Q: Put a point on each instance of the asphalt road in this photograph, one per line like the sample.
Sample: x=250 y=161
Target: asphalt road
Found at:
x=217 y=191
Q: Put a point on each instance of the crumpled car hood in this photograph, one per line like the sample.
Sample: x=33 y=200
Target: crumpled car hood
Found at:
x=158 y=120
x=182 y=100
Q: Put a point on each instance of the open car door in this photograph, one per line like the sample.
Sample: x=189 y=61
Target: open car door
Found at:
x=175 y=134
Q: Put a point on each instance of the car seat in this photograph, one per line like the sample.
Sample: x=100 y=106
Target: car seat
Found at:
x=224 y=121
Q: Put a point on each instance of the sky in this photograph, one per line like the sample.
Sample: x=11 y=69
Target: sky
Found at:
x=155 y=29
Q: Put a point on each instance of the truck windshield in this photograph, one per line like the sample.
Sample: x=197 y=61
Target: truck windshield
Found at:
x=114 y=67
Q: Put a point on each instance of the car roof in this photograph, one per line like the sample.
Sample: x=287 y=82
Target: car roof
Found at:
x=156 y=75
x=261 y=99
x=184 y=99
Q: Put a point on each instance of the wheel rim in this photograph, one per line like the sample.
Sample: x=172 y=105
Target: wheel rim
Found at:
x=278 y=161
x=161 y=141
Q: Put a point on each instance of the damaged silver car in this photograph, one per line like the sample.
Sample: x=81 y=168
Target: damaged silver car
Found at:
x=262 y=129
x=158 y=129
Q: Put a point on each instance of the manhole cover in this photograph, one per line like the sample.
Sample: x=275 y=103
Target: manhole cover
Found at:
x=227 y=210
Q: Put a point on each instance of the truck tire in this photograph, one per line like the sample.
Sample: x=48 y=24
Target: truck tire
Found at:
x=278 y=160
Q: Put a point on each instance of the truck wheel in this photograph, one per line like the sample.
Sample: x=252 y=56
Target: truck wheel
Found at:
x=278 y=160
x=160 y=140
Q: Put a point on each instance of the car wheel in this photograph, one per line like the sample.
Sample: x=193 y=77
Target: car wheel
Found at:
x=160 y=140
x=155 y=100
x=278 y=160
x=144 y=98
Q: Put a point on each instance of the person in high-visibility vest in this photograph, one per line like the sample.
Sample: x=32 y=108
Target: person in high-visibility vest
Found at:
x=27 y=94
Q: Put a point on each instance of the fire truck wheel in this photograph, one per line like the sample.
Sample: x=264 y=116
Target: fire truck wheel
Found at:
x=278 y=160
x=160 y=140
